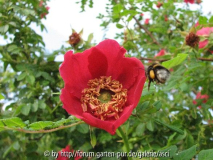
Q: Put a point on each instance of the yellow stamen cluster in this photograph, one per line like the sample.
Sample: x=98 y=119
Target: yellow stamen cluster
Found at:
x=91 y=98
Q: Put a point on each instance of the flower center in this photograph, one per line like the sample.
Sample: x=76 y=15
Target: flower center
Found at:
x=104 y=98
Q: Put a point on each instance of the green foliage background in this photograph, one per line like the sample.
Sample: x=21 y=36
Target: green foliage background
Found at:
x=165 y=118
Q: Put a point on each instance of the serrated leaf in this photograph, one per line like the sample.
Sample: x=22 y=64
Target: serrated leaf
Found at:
x=175 y=61
x=25 y=110
x=40 y=125
x=35 y=106
x=41 y=104
x=21 y=76
x=4 y=29
x=13 y=122
x=171 y=150
x=157 y=105
x=16 y=145
x=174 y=128
x=119 y=26
x=186 y=154
x=142 y=107
x=12 y=48
x=30 y=79
x=205 y=154
x=47 y=76
x=140 y=129
x=150 y=125
x=203 y=20
x=211 y=19
x=60 y=123
x=83 y=128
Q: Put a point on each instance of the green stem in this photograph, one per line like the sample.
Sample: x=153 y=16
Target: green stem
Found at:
x=126 y=142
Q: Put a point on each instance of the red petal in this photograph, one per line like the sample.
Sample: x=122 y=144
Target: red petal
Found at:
x=113 y=52
x=205 y=31
x=203 y=43
x=74 y=71
x=71 y=104
x=97 y=63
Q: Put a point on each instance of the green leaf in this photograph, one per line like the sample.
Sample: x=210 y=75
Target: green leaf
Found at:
x=60 y=122
x=13 y=122
x=1 y=96
x=41 y=104
x=40 y=125
x=170 y=150
x=142 y=107
x=211 y=19
x=90 y=37
x=30 y=79
x=186 y=154
x=1 y=124
x=150 y=125
x=140 y=129
x=12 y=48
x=25 y=110
x=119 y=26
x=157 y=105
x=203 y=20
x=3 y=29
x=92 y=137
x=35 y=106
x=205 y=154
x=83 y=128
x=21 y=76
x=175 y=61
x=16 y=145
x=174 y=128
x=117 y=8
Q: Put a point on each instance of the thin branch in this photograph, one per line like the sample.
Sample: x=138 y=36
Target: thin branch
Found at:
x=147 y=31
x=205 y=59
x=43 y=131
x=162 y=60
x=153 y=59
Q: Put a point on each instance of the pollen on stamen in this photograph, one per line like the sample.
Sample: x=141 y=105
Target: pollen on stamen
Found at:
x=104 y=98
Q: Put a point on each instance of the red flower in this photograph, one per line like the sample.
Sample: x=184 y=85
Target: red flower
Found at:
x=166 y=18
x=199 y=96
x=197 y=24
x=142 y=14
x=46 y=12
x=146 y=21
x=102 y=87
x=40 y=3
x=161 y=53
x=65 y=154
x=159 y=4
x=206 y=31
x=189 y=1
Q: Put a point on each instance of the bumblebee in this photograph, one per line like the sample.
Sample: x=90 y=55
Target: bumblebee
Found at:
x=157 y=73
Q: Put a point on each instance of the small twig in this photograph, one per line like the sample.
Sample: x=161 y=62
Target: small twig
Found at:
x=153 y=59
x=147 y=31
x=162 y=60
x=205 y=59
x=43 y=131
